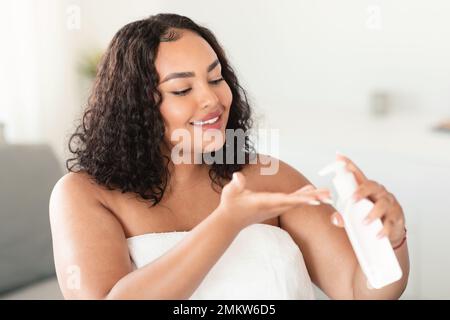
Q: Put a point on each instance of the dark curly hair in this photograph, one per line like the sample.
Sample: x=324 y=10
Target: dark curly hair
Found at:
x=118 y=140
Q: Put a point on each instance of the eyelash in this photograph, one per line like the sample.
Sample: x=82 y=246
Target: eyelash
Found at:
x=184 y=92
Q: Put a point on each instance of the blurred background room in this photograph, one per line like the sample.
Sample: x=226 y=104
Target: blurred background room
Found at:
x=369 y=78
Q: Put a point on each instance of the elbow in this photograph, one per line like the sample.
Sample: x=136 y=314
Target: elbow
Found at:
x=89 y=295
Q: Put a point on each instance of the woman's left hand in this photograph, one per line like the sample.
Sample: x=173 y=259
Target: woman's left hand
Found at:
x=386 y=206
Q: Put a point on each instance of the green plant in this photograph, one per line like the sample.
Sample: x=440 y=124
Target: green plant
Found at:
x=89 y=62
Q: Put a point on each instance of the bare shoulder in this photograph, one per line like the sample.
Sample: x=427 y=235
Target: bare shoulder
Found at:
x=77 y=184
x=86 y=236
x=269 y=173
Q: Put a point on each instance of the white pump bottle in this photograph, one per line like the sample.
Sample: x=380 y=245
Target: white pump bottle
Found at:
x=375 y=256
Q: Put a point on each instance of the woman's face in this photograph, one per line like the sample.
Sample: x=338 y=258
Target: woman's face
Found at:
x=192 y=89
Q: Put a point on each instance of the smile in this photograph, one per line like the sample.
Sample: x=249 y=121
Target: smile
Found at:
x=201 y=123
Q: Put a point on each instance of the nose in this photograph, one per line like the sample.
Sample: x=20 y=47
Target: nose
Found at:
x=207 y=97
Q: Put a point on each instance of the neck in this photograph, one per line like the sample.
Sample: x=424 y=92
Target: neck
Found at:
x=185 y=175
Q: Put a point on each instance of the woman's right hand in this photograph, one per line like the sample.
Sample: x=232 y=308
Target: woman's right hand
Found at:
x=245 y=207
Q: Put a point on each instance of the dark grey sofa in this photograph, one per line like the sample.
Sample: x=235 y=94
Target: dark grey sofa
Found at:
x=27 y=176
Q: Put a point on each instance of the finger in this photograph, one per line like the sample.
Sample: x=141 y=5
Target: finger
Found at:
x=304 y=189
x=310 y=199
x=387 y=228
x=379 y=210
x=350 y=165
x=317 y=196
x=368 y=188
x=281 y=199
x=284 y=205
x=272 y=199
x=307 y=187
x=398 y=229
x=236 y=185
x=239 y=179
x=390 y=198
x=312 y=191
x=323 y=195
x=383 y=194
x=306 y=195
x=337 y=219
x=289 y=204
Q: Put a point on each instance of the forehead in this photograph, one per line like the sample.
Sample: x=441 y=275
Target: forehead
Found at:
x=190 y=52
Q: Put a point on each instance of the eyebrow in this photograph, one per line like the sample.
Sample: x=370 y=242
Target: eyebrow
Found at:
x=189 y=74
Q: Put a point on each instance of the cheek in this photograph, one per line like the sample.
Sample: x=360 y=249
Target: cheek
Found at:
x=225 y=96
x=175 y=115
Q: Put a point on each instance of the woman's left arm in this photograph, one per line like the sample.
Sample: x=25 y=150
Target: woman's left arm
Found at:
x=326 y=249
x=386 y=208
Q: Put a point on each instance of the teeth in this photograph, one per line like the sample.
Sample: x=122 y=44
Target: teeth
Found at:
x=210 y=121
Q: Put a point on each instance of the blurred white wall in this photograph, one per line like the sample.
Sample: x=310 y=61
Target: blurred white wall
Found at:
x=310 y=68
x=38 y=79
x=292 y=56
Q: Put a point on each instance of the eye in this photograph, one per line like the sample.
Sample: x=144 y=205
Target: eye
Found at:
x=216 y=81
x=181 y=93
x=184 y=92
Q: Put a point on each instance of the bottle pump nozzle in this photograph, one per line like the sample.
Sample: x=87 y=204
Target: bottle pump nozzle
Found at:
x=332 y=167
x=344 y=182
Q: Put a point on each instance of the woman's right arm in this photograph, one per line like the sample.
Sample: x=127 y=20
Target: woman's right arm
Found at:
x=92 y=259
x=179 y=272
x=91 y=254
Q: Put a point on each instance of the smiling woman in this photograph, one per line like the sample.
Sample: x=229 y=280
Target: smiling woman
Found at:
x=124 y=127
x=192 y=99
x=139 y=225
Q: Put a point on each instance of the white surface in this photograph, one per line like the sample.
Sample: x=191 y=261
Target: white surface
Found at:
x=408 y=135
x=263 y=262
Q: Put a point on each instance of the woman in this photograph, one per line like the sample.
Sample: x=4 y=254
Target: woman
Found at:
x=129 y=222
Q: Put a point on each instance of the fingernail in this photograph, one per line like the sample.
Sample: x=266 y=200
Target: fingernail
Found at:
x=327 y=201
x=380 y=235
x=314 y=202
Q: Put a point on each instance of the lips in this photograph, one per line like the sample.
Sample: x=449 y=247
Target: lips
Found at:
x=209 y=116
x=213 y=123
